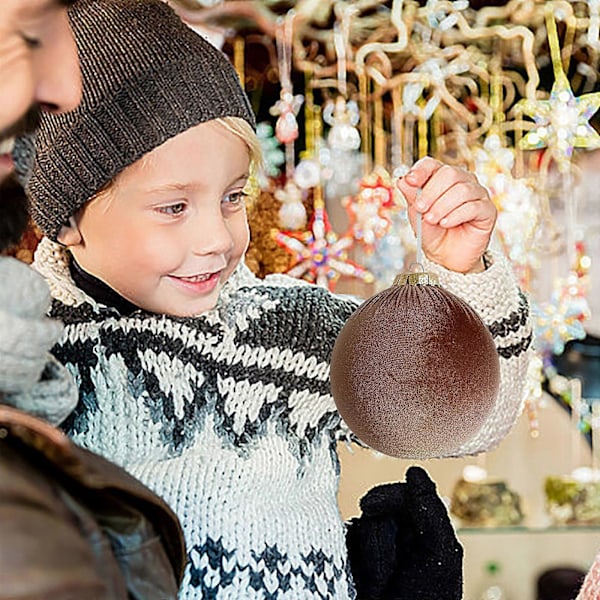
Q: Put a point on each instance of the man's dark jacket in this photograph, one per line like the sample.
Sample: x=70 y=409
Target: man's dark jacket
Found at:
x=75 y=526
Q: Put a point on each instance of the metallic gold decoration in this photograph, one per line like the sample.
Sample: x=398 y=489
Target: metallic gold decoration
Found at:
x=417 y=279
x=239 y=59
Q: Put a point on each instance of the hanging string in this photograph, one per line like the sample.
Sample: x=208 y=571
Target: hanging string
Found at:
x=398 y=156
x=419 y=227
x=318 y=199
x=340 y=49
x=365 y=119
x=309 y=114
x=554 y=43
x=422 y=130
x=287 y=126
x=380 y=145
x=341 y=42
x=283 y=40
x=496 y=97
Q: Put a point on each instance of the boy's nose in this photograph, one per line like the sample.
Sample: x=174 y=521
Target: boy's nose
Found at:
x=211 y=235
x=58 y=77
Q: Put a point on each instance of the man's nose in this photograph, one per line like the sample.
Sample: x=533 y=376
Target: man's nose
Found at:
x=56 y=69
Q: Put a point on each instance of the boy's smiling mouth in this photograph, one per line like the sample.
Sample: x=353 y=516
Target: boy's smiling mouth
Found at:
x=197 y=284
x=196 y=278
x=7 y=145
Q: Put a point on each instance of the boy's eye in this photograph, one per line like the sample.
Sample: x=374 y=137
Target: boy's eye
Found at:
x=172 y=209
x=235 y=198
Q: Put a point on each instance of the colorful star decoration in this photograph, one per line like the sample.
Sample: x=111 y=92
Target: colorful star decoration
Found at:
x=561 y=319
x=562 y=122
x=319 y=255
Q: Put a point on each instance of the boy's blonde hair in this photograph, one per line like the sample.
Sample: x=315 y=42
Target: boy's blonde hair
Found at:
x=244 y=131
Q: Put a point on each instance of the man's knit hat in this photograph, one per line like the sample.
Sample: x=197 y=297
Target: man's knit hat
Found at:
x=146 y=78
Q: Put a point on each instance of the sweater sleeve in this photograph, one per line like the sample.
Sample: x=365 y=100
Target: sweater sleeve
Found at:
x=495 y=295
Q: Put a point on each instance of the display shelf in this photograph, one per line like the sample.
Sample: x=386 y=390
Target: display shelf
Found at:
x=463 y=530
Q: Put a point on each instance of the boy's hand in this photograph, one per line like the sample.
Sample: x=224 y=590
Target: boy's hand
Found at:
x=458 y=215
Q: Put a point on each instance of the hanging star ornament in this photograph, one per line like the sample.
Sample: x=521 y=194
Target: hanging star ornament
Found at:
x=561 y=319
x=562 y=121
x=319 y=255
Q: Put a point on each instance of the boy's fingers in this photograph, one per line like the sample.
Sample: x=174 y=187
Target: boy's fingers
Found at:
x=433 y=178
x=422 y=171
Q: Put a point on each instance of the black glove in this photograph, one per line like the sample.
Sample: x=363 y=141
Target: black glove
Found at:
x=403 y=546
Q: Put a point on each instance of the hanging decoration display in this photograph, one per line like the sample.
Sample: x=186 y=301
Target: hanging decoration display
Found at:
x=319 y=255
x=288 y=105
x=292 y=214
x=510 y=90
x=369 y=210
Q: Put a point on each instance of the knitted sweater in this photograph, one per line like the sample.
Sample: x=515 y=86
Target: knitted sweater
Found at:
x=228 y=416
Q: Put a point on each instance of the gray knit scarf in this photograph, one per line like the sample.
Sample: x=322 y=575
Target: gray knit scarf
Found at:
x=30 y=378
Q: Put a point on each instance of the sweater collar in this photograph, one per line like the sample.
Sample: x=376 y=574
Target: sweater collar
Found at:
x=99 y=291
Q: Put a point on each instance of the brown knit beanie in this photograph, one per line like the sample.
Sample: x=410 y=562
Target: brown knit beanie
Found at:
x=146 y=78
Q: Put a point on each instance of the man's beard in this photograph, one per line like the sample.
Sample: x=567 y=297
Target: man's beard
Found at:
x=23 y=152
x=25 y=125
x=14 y=214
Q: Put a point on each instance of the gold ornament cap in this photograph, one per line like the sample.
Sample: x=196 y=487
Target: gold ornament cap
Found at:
x=418 y=278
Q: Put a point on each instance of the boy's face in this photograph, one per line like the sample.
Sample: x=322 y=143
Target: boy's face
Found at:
x=173 y=227
x=38 y=66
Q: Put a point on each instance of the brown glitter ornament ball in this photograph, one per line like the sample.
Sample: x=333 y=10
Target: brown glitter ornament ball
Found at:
x=415 y=372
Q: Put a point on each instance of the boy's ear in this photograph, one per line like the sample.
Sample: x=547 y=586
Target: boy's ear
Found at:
x=69 y=234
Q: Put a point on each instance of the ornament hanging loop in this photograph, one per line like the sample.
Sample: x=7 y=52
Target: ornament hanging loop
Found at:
x=417 y=275
x=419 y=231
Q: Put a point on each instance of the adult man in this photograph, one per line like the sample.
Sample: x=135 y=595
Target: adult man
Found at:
x=39 y=70
x=38 y=67
x=73 y=526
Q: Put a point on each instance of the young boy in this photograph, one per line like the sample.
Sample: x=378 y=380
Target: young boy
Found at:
x=209 y=385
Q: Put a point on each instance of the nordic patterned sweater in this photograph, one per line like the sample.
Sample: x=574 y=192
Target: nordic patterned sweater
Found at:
x=228 y=416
